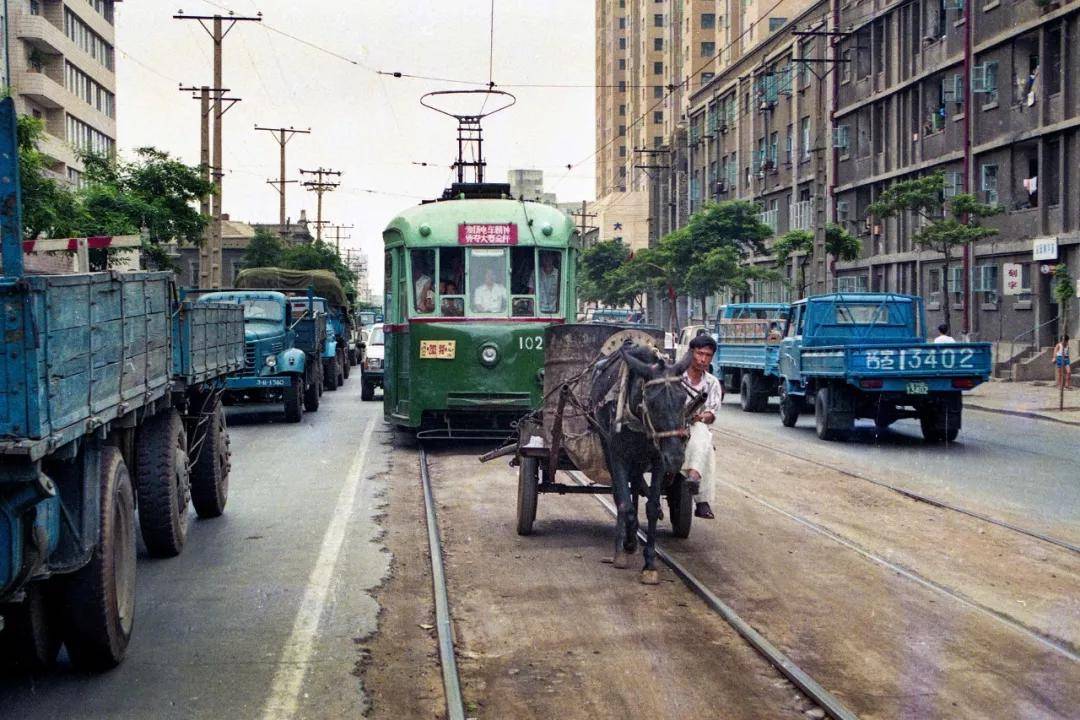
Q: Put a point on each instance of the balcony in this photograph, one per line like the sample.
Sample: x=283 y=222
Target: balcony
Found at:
x=802 y=215
x=770 y=218
x=42 y=35
x=42 y=89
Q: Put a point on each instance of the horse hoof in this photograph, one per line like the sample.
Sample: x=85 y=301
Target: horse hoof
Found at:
x=622 y=560
x=650 y=577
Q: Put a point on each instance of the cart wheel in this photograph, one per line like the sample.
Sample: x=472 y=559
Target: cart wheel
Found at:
x=681 y=508
x=528 y=478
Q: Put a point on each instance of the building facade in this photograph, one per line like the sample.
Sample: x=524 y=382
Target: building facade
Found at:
x=815 y=121
x=62 y=63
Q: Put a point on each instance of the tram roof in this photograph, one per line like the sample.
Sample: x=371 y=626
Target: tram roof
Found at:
x=445 y=216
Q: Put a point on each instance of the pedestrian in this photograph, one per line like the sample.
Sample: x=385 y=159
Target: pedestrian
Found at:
x=943 y=334
x=699 y=464
x=1062 y=366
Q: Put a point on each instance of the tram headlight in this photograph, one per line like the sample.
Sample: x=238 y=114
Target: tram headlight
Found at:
x=489 y=355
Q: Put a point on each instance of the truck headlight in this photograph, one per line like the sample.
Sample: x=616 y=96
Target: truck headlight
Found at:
x=271 y=361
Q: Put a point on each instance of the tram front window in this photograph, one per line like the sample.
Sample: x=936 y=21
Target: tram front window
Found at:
x=423 y=277
x=452 y=282
x=523 y=281
x=549 y=275
x=487 y=280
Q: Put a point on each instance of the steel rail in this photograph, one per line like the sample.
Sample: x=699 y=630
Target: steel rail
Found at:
x=911 y=494
x=787 y=667
x=455 y=708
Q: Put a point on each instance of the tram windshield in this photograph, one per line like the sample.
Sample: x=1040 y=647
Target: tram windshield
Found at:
x=487 y=280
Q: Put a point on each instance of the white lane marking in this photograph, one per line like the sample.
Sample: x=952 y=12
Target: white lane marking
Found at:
x=296 y=655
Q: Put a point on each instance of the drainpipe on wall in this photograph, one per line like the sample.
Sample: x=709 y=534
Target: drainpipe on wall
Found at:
x=969 y=118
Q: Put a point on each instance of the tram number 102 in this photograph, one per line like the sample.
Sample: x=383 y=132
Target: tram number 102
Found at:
x=921 y=359
x=531 y=342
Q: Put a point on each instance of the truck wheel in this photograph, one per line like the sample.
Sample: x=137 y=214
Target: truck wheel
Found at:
x=210 y=473
x=294 y=400
x=751 y=396
x=789 y=407
x=32 y=635
x=330 y=374
x=681 y=508
x=100 y=608
x=311 y=394
x=821 y=415
x=367 y=391
x=163 y=479
x=346 y=365
x=527 y=494
x=936 y=428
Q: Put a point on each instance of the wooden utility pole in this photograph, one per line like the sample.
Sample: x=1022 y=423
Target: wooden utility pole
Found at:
x=283 y=136
x=583 y=217
x=207 y=259
x=217 y=32
x=338 y=237
x=320 y=186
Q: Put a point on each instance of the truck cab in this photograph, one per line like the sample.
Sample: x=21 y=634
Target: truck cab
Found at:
x=866 y=355
x=335 y=354
x=276 y=366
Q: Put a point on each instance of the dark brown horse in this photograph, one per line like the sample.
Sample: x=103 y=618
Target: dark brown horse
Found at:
x=643 y=430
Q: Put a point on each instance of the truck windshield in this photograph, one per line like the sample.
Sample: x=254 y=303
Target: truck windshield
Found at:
x=865 y=314
x=376 y=337
x=262 y=310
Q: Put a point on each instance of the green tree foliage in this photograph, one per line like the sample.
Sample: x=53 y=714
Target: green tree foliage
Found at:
x=1064 y=289
x=46 y=203
x=265 y=249
x=841 y=244
x=597 y=273
x=948 y=223
x=794 y=243
x=319 y=256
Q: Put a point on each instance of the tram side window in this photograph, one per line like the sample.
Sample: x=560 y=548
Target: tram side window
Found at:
x=423 y=277
x=487 y=280
x=523 y=281
x=452 y=281
x=549 y=275
x=388 y=282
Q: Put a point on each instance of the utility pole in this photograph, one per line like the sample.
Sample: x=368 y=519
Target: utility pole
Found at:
x=283 y=136
x=320 y=186
x=217 y=32
x=207 y=259
x=583 y=217
x=338 y=237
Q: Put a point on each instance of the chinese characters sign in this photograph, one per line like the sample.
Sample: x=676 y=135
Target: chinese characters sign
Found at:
x=438 y=349
x=487 y=234
x=1045 y=248
x=1013 y=282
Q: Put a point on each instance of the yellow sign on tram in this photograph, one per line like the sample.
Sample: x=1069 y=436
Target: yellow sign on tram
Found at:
x=438 y=349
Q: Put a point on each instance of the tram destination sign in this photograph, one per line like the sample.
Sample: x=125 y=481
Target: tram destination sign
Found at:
x=487 y=234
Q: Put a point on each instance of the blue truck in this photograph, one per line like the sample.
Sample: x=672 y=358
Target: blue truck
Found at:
x=283 y=352
x=748 y=351
x=109 y=400
x=865 y=355
x=335 y=358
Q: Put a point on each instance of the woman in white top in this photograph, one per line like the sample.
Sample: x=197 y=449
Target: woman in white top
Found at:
x=1062 y=366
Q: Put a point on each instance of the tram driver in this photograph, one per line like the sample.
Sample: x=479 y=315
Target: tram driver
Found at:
x=490 y=297
x=699 y=463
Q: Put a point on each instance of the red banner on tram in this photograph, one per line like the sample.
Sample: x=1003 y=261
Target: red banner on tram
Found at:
x=487 y=234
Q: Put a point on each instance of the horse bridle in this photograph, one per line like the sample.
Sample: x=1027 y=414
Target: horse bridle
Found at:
x=653 y=433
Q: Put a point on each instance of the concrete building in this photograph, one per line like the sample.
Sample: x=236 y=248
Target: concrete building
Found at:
x=235 y=236
x=528 y=184
x=63 y=72
x=294 y=233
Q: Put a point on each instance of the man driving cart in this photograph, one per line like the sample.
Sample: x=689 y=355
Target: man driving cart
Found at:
x=699 y=464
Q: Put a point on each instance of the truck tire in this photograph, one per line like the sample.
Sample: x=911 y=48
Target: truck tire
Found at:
x=681 y=508
x=210 y=473
x=346 y=365
x=940 y=423
x=32 y=635
x=367 y=390
x=831 y=422
x=527 y=494
x=100 y=608
x=312 y=394
x=751 y=396
x=789 y=407
x=294 y=400
x=330 y=374
x=163 y=479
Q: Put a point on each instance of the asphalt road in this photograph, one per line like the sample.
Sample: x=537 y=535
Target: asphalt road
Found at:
x=258 y=618
x=1019 y=470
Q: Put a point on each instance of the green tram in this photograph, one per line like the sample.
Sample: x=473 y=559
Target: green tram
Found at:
x=472 y=281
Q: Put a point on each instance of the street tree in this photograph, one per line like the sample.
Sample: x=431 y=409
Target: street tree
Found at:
x=1064 y=290
x=598 y=273
x=841 y=245
x=948 y=223
x=319 y=256
x=265 y=249
x=796 y=246
x=46 y=203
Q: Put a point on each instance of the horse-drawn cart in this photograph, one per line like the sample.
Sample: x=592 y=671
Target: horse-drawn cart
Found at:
x=564 y=434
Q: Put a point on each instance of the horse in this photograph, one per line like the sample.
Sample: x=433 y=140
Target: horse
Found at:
x=643 y=428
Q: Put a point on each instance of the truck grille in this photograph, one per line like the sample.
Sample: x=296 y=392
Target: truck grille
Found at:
x=249 y=359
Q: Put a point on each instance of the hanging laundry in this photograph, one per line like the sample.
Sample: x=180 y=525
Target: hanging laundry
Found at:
x=1031 y=185
x=1033 y=87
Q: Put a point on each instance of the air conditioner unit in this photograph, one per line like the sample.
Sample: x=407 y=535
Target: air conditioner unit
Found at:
x=842 y=210
x=721 y=187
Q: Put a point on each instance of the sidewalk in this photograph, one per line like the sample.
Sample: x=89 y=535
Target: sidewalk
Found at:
x=1038 y=399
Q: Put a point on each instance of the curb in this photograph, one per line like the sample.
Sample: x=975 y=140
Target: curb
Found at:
x=1021 y=413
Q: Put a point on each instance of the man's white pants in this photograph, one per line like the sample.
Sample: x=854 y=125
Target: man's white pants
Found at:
x=701 y=456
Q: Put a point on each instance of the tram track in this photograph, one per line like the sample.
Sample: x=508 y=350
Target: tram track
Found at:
x=911 y=494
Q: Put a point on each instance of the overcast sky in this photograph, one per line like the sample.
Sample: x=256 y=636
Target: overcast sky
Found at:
x=371 y=128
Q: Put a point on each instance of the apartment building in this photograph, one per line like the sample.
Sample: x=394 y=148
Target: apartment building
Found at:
x=981 y=91
x=63 y=72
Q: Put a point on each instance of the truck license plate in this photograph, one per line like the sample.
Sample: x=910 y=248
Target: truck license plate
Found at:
x=917 y=388
x=438 y=349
